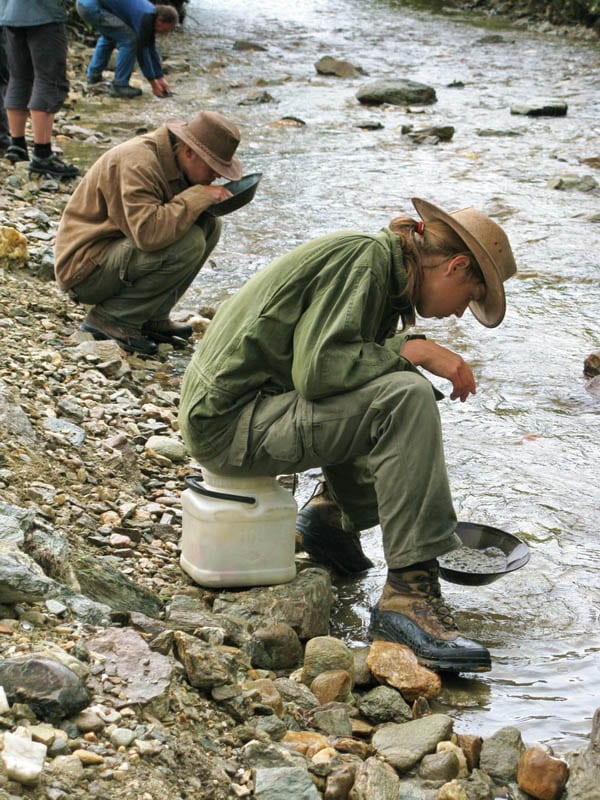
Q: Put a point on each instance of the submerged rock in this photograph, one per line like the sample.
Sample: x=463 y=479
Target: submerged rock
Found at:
x=335 y=66
x=540 y=108
x=397 y=92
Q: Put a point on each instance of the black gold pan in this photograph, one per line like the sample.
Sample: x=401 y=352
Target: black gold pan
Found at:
x=479 y=538
x=243 y=191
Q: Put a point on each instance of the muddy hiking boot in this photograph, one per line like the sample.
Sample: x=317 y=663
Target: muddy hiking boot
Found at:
x=411 y=611
x=167 y=331
x=320 y=534
x=130 y=339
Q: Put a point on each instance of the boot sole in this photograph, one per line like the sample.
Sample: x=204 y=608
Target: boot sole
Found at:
x=458 y=655
x=178 y=342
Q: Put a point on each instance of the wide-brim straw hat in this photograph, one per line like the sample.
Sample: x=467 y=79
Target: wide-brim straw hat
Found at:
x=213 y=138
x=489 y=244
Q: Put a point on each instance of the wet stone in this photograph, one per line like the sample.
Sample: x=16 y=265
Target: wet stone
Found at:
x=304 y=603
x=325 y=653
x=275 y=647
x=375 y=780
x=297 y=693
x=275 y=783
x=207 y=666
x=384 y=704
x=397 y=92
x=404 y=745
x=451 y=747
x=500 y=754
x=585 y=766
x=470 y=744
x=335 y=66
x=541 y=108
x=332 y=685
x=442 y=767
x=541 y=775
x=339 y=782
x=397 y=665
x=334 y=721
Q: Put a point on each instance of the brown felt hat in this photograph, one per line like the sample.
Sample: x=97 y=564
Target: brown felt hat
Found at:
x=491 y=248
x=213 y=138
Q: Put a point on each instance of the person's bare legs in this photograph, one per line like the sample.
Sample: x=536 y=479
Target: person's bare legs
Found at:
x=42 y=123
x=17 y=122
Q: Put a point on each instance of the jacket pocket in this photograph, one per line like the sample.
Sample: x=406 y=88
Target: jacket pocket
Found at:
x=274 y=429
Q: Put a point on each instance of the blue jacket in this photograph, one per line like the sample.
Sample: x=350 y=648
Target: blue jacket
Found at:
x=140 y=16
x=28 y=13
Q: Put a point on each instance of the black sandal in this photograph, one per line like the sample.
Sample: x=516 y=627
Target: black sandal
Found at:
x=15 y=153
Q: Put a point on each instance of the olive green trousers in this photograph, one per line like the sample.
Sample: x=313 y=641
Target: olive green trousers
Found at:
x=133 y=286
x=380 y=448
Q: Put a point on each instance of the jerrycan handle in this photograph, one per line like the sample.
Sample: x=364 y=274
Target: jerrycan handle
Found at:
x=195 y=483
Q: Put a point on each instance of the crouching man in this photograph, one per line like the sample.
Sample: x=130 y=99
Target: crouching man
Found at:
x=133 y=235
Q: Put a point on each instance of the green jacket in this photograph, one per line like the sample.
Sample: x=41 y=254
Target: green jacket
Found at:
x=320 y=320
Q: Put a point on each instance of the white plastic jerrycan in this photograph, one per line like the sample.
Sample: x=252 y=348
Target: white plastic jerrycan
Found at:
x=237 y=531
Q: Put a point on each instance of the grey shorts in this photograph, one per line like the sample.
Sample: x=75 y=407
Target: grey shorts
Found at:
x=37 y=63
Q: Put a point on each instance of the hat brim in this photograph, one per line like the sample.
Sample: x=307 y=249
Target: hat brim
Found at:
x=226 y=169
x=490 y=312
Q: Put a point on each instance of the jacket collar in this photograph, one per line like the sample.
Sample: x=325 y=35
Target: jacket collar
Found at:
x=166 y=155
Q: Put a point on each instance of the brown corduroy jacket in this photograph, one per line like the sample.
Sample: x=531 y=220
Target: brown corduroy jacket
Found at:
x=135 y=190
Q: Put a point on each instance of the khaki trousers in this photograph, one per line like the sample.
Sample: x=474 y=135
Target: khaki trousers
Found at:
x=380 y=448
x=133 y=287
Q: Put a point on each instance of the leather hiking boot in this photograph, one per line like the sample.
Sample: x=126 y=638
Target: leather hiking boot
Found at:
x=411 y=611
x=319 y=528
x=130 y=339
x=167 y=331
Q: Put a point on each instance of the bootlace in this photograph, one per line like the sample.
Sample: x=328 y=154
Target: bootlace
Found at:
x=319 y=488
x=429 y=586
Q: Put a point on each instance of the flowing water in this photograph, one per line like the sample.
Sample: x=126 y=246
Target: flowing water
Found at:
x=524 y=453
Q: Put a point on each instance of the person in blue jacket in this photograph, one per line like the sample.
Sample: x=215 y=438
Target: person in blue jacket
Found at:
x=130 y=26
x=36 y=53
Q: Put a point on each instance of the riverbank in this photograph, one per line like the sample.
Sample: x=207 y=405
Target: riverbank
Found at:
x=91 y=469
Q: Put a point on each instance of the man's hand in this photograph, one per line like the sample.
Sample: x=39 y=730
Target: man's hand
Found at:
x=218 y=193
x=442 y=362
x=160 y=87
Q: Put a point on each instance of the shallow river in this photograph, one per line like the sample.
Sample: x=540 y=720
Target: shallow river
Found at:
x=524 y=453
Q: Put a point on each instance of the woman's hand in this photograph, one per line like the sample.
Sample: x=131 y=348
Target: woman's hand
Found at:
x=442 y=362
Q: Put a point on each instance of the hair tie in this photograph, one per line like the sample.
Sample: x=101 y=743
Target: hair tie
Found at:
x=420 y=227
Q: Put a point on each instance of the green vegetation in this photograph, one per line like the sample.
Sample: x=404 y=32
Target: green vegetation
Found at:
x=558 y=12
